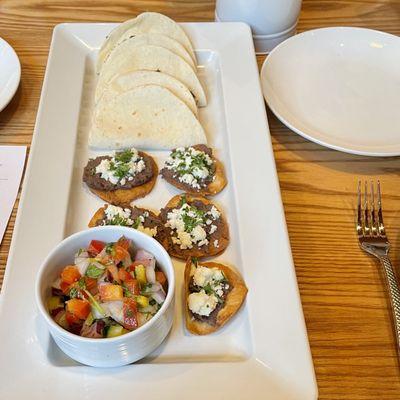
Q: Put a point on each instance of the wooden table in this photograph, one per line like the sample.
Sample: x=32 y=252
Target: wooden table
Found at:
x=342 y=291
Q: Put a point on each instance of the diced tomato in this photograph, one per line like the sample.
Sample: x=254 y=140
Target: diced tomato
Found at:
x=124 y=275
x=74 y=323
x=133 y=286
x=91 y=284
x=124 y=242
x=113 y=270
x=65 y=287
x=161 y=278
x=120 y=254
x=71 y=318
x=79 y=308
x=95 y=247
x=129 y=311
x=70 y=274
x=134 y=265
x=109 y=292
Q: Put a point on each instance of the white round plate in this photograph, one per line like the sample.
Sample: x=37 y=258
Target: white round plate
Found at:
x=10 y=73
x=339 y=87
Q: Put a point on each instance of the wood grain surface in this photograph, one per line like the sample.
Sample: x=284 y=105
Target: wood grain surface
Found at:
x=342 y=291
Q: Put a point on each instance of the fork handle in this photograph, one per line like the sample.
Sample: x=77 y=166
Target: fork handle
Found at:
x=394 y=294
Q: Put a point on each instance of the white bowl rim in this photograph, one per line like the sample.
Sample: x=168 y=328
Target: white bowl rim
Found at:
x=63 y=332
x=13 y=89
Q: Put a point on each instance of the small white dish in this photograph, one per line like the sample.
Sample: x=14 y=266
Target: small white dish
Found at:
x=271 y=21
x=339 y=87
x=10 y=73
x=264 y=44
x=108 y=352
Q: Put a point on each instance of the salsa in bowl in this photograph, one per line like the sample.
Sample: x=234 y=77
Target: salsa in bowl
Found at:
x=107 y=295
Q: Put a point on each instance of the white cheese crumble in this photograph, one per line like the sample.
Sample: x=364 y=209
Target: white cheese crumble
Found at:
x=188 y=225
x=190 y=166
x=148 y=231
x=216 y=243
x=201 y=303
x=122 y=216
x=114 y=213
x=122 y=167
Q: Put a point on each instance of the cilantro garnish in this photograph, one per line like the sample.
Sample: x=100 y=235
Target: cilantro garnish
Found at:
x=198 y=162
x=124 y=156
x=94 y=272
x=192 y=221
x=136 y=222
x=182 y=200
x=73 y=292
x=110 y=246
x=208 y=289
x=117 y=220
x=81 y=283
x=119 y=170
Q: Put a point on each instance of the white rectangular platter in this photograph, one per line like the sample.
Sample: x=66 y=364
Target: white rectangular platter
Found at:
x=264 y=352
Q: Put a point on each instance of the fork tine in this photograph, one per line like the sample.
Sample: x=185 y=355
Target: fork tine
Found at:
x=374 y=227
x=367 y=228
x=381 y=227
x=359 y=211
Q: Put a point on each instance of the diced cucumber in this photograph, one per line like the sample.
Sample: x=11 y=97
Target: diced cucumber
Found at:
x=54 y=302
x=116 y=330
x=142 y=301
x=140 y=274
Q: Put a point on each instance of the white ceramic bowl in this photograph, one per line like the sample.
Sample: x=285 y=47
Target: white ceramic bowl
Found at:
x=10 y=73
x=108 y=352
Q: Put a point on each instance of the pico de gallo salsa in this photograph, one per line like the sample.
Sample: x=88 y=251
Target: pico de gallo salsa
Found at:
x=108 y=291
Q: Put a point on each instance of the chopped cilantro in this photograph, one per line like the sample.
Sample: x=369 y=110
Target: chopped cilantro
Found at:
x=117 y=220
x=124 y=156
x=109 y=248
x=137 y=222
x=198 y=162
x=127 y=292
x=208 y=289
x=120 y=170
x=192 y=221
x=74 y=292
x=152 y=302
x=182 y=201
x=93 y=271
x=81 y=283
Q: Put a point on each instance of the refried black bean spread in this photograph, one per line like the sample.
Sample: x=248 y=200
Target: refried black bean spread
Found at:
x=125 y=170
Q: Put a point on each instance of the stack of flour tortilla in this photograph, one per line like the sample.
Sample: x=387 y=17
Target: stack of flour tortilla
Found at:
x=148 y=91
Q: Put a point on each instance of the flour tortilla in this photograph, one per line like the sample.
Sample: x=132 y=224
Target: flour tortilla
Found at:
x=130 y=80
x=151 y=58
x=146 y=22
x=127 y=43
x=146 y=117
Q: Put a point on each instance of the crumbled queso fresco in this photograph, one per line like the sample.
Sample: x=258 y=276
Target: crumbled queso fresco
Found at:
x=122 y=167
x=188 y=223
x=122 y=216
x=190 y=166
x=212 y=283
x=117 y=216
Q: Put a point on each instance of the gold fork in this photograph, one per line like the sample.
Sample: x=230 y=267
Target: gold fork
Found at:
x=372 y=239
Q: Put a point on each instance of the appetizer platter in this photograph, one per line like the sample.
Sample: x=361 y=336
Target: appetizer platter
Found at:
x=155 y=126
